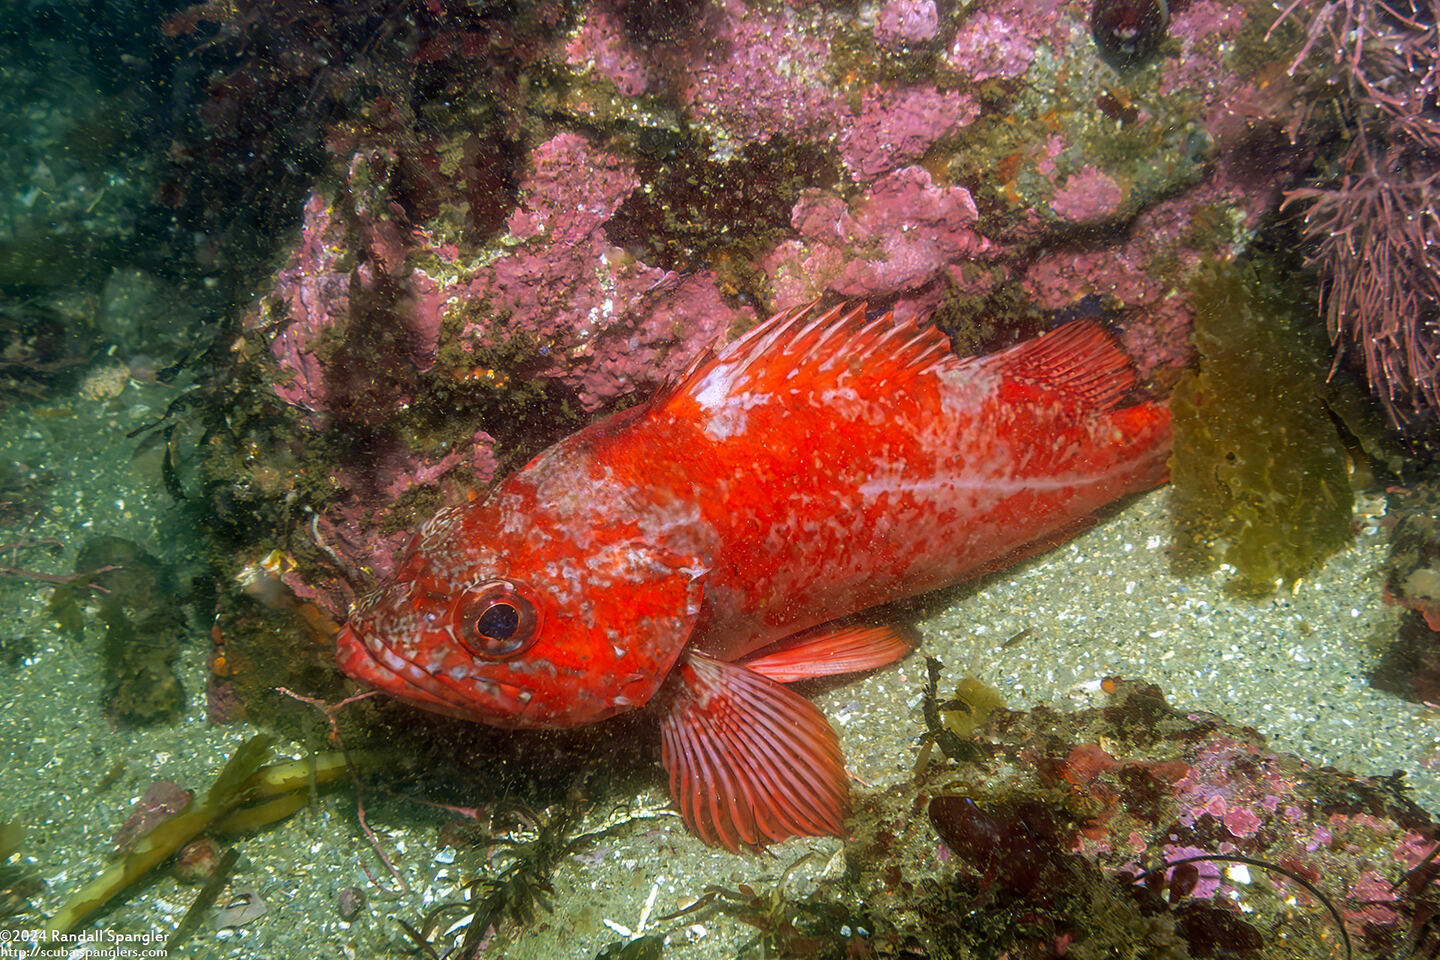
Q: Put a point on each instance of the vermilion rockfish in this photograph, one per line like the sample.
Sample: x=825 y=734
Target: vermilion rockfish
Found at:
x=685 y=555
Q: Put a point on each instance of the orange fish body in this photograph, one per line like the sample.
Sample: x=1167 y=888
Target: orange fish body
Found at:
x=672 y=554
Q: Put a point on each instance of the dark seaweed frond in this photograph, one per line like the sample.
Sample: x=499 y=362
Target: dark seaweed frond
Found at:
x=773 y=912
x=204 y=900
x=521 y=890
x=18 y=881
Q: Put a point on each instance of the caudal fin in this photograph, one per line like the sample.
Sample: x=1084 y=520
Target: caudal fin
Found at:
x=750 y=763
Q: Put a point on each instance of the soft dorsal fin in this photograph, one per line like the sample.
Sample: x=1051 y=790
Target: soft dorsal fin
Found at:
x=804 y=348
x=1081 y=361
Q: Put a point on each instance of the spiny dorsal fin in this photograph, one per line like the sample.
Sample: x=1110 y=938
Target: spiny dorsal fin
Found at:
x=805 y=348
x=1081 y=361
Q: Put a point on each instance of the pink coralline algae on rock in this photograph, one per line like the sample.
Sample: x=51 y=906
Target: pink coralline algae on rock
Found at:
x=896 y=127
x=898 y=239
x=1158 y=332
x=315 y=296
x=1087 y=196
x=605 y=323
x=336 y=356
x=763 y=71
x=601 y=321
x=1200 y=27
x=988 y=46
x=600 y=45
x=907 y=21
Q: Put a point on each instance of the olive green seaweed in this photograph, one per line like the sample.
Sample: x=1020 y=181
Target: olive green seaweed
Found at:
x=1259 y=477
x=284 y=787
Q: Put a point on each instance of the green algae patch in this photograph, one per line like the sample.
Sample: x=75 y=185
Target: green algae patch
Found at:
x=1258 y=473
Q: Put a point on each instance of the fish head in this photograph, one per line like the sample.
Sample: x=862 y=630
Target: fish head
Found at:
x=503 y=612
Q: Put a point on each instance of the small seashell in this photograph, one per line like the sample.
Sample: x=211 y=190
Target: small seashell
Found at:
x=196 y=861
x=241 y=907
x=349 y=902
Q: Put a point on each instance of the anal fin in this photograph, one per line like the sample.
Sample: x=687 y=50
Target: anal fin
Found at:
x=749 y=762
x=831 y=652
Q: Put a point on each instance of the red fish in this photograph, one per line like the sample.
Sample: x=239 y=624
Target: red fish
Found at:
x=684 y=555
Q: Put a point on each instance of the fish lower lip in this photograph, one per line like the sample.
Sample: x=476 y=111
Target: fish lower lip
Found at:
x=496 y=691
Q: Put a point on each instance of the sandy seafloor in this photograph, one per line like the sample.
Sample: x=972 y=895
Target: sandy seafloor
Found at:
x=1294 y=667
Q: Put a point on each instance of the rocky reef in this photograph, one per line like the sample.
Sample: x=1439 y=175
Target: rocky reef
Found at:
x=606 y=190
x=1133 y=829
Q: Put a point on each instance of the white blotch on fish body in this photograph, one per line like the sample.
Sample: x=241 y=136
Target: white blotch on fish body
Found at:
x=965 y=387
x=716 y=395
x=674 y=522
x=714 y=388
x=730 y=417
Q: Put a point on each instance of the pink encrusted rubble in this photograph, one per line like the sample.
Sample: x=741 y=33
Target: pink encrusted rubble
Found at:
x=1087 y=196
x=1319 y=824
x=1213 y=796
x=1194 y=808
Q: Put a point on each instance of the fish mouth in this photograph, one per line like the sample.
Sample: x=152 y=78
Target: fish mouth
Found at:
x=463 y=695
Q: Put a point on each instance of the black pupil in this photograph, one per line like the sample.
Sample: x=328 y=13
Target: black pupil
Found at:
x=498 y=622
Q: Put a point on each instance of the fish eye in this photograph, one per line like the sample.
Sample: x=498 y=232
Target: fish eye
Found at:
x=497 y=621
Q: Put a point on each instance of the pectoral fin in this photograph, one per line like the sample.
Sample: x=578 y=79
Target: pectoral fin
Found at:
x=750 y=763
